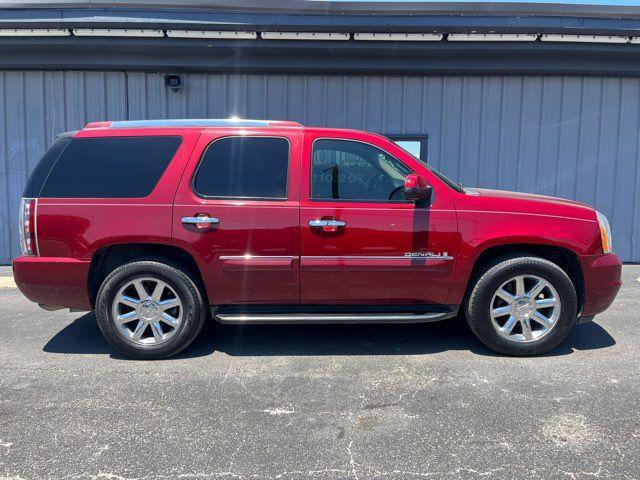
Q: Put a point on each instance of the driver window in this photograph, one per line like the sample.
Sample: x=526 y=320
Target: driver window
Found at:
x=349 y=170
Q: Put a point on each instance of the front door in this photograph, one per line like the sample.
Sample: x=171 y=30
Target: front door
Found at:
x=361 y=241
x=237 y=212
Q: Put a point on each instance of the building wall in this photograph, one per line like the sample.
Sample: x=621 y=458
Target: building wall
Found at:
x=567 y=136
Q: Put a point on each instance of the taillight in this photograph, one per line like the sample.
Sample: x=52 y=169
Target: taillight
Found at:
x=28 y=226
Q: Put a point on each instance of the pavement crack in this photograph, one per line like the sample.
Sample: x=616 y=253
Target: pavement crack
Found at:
x=6 y=445
x=352 y=462
x=280 y=411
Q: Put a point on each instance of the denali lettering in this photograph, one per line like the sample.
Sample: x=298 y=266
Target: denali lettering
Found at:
x=427 y=254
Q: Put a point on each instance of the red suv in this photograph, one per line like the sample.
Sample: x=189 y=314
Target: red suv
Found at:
x=156 y=225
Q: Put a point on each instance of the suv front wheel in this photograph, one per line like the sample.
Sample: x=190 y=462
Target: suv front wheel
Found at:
x=148 y=309
x=522 y=306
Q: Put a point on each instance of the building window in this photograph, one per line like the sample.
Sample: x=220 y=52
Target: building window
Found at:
x=416 y=145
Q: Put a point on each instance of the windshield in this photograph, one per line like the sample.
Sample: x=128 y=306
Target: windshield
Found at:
x=455 y=185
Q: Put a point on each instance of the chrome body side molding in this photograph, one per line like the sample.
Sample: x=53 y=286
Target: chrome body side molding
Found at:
x=406 y=256
x=320 y=318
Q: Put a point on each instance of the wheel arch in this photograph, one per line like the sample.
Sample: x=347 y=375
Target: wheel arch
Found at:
x=108 y=258
x=565 y=258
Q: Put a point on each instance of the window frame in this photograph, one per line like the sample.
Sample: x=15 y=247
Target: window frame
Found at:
x=423 y=138
x=192 y=183
x=351 y=200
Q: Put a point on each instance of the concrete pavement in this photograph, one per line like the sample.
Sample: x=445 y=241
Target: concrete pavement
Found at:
x=318 y=402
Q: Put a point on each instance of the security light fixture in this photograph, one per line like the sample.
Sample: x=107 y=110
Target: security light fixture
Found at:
x=117 y=32
x=174 y=82
x=304 y=36
x=220 y=35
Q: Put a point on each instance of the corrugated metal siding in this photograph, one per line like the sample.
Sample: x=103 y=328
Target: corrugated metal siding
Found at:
x=34 y=108
x=565 y=136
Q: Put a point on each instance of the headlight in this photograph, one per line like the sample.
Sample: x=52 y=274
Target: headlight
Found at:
x=605 y=233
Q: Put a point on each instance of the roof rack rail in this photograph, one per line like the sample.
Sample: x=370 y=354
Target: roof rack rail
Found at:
x=192 y=122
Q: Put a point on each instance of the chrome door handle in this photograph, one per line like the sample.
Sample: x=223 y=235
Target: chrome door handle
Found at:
x=200 y=220
x=327 y=223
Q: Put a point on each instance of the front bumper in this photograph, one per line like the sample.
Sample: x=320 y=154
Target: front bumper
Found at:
x=53 y=281
x=602 y=280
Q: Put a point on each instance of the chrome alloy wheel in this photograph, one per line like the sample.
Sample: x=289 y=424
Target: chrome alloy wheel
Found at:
x=525 y=308
x=147 y=311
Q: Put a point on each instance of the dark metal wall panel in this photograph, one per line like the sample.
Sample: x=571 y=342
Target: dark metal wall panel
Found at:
x=574 y=137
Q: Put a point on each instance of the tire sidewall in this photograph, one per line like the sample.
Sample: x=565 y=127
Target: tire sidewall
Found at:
x=478 y=307
x=193 y=308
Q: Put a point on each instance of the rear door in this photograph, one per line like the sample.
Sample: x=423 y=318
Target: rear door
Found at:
x=237 y=212
x=361 y=241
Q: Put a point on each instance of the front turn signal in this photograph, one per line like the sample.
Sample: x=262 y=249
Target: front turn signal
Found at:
x=605 y=233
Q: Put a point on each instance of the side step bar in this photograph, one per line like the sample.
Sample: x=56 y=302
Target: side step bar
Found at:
x=321 y=318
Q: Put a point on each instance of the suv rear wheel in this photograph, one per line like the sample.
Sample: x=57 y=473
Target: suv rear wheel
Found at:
x=522 y=306
x=148 y=309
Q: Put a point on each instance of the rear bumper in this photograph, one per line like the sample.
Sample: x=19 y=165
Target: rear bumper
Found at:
x=54 y=281
x=602 y=280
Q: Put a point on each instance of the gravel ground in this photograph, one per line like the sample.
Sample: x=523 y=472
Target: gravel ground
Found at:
x=318 y=402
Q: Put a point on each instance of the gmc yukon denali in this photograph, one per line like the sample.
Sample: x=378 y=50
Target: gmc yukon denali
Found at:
x=159 y=225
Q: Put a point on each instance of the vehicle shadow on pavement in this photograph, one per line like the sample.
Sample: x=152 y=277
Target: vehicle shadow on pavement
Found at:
x=83 y=337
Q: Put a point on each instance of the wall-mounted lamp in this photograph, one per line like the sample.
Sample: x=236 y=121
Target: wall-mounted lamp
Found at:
x=174 y=82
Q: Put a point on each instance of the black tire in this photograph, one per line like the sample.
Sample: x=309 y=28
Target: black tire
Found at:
x=193 y=315
x=478 y=306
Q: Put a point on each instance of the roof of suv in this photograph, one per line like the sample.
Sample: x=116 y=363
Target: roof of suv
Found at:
x=188 y=122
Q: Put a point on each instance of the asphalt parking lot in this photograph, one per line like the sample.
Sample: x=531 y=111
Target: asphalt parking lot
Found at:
x=317 y=402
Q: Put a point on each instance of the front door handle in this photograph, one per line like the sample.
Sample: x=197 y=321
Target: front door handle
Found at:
x=201 y=221
x=327 y=223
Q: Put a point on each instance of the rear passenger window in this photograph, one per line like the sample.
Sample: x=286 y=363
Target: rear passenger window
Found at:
x=244 y=167
x=114 y=167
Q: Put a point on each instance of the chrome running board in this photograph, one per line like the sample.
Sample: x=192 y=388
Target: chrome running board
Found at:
x=263 y=318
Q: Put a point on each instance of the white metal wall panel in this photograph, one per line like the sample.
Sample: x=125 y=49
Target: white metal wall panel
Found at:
x=566 y=136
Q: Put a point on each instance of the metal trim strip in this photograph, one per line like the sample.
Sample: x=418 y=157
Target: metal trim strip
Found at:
x=333 y=317
x=337 y=257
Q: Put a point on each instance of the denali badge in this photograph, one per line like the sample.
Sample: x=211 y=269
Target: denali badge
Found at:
x=427 y=254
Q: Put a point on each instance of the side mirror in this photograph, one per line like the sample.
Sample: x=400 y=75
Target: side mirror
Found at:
x=416 y=188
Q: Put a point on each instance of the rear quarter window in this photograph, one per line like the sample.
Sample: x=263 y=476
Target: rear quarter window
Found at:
x=113 y=167
x=44 y=166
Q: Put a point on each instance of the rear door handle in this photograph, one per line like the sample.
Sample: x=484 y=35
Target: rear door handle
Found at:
x=201 y=221
x=196 y=220
x=327 y=223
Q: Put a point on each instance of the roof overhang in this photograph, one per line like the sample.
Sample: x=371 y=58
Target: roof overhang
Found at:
x=402 y=8
x=318 y=37
x=259 y=56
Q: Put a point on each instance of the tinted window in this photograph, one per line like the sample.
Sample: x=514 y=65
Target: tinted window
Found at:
x=123 y=167
x=246 y=167
x=346 y=170
x=39 y=174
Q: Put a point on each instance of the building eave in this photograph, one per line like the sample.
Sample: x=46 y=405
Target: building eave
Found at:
x=356 y=58
x=453 y=19
x=346 y=21
x=390 y=7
